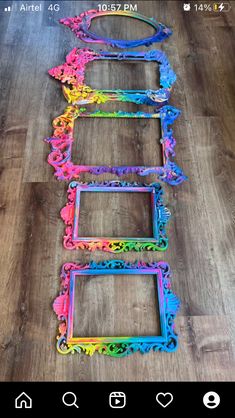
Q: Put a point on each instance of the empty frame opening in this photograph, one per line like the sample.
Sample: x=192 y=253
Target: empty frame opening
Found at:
x=118 y=305
x=117 y=142
x=120 y=27
x=124 y=75
x=115 y=214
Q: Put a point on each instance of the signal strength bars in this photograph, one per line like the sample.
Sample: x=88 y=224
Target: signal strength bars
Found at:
x=7 y=9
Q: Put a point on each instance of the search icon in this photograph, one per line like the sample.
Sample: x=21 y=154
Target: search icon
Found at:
x=70 y=399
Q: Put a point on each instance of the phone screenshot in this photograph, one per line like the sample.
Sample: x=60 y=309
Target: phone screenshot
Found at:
x=117 y=202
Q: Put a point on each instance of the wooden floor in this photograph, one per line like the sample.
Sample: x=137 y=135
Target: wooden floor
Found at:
x=201 y=231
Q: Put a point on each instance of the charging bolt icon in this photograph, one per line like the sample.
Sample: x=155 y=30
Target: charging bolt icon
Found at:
x=221 y=7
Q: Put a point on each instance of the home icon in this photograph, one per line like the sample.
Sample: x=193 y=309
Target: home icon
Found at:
x=23 y=401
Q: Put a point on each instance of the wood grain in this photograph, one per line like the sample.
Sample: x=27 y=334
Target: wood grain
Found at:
x=100 y=142
x=124 y=305
x=115 y=215
x=201 y=231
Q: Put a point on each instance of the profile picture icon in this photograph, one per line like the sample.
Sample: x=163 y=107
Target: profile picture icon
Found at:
x=211 y=400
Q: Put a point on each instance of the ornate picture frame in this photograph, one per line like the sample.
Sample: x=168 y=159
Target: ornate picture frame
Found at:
x=61 y=143
x=72 y=73
x=80 y=26
x=160 y=217
x=116 y=346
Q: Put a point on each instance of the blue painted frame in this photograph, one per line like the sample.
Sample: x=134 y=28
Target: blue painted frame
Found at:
x=80 y=26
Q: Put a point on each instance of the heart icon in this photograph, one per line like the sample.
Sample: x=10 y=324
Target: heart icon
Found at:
x=164 y=399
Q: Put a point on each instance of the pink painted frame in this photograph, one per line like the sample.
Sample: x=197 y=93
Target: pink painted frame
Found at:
x=61 y=143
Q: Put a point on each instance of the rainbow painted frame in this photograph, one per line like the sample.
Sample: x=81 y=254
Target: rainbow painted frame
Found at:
x=70 y=216
x=116 y=346
x=80 y=26
x=72 y=72
x=61 y=146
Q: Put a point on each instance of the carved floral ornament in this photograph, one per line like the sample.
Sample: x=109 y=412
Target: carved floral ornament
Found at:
x=118 y=346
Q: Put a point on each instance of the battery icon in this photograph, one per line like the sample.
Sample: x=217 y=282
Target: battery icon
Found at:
x=221 y=7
